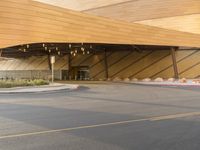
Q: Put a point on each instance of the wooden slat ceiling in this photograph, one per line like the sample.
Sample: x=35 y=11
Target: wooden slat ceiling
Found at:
x=28 y=21
x=81 y=5
x=140 y=10
x=187 y=23
x=180 y=15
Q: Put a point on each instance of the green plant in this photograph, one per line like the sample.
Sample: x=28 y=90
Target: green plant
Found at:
x=22 y=82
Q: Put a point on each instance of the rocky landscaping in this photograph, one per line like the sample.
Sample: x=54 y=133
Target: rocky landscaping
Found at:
x=159 y=81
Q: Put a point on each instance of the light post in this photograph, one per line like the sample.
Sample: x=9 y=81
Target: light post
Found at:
x=52 y=68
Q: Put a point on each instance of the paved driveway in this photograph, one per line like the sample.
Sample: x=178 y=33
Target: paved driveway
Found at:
x=106 y=116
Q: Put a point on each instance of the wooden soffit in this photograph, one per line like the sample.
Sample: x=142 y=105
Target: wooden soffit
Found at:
x=26 y=21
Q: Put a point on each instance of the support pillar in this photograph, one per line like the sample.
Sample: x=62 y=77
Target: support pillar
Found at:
x=106 y=64
x=69 y=67
x=49 y=62
x=175 y=68
x=1 y=52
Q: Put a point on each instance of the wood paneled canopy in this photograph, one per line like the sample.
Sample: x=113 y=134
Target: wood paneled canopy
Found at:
x=27 y=21
x=180 y=15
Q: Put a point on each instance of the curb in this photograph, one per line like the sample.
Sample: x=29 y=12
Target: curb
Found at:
x=39 y=89
x=164 y=85
x=168 y=85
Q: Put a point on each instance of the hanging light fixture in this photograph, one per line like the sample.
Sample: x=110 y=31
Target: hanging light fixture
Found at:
x=70 y=46
x=76 y=51
x=45 y=48
x=74 y=54
x=82 y=49
x=58 y=52
x=49 y=51
x=56 y=48
x=43 y=45
x=88 y=52
x=27 y=46
x=24 y=50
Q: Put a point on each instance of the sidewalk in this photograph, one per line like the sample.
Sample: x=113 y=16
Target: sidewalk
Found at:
x=42 y=88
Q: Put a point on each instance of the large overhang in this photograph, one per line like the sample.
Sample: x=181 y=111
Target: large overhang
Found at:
x=179 y=15
x=23 y=22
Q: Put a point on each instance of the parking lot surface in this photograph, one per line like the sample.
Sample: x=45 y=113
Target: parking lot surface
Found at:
x=102 y=116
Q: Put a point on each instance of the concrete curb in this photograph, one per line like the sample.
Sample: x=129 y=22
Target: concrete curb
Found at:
x=45 y=88
x=167 y=85
x=175 y=84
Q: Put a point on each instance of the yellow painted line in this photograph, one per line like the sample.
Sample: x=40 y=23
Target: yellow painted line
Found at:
x=175 y=116
x=70 y=129
x=166 y=117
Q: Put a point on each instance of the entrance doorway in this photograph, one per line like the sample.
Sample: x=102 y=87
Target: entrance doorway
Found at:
x=80 y=73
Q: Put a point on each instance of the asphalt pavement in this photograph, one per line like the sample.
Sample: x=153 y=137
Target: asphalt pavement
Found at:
x=102 y=116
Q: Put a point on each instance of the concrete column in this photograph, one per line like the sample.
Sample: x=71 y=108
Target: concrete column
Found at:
x=49 y=62
x=175 y=68
x=1 y=52
x=106 y=64
x=69 y=66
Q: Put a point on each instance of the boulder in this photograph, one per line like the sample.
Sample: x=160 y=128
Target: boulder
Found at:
x=116 y=79
x=126 y=80
x=100 y=79
x=159 y=79
x=109 y=79
x=196 y=81
x=146 y=80
x=134 y=79
x=171 y=80
x=183 y=80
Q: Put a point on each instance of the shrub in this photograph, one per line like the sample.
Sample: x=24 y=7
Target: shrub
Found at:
x=22 y=82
